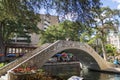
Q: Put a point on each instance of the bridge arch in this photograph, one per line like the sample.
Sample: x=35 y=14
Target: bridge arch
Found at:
x=83 y=57
x=85 y=53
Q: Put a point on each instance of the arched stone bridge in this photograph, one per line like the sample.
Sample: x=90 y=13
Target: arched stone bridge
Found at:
x=85 y=54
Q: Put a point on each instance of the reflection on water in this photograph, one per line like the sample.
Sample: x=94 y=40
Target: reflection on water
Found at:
x=66 y=73
x=92 y=75
x=100 y=76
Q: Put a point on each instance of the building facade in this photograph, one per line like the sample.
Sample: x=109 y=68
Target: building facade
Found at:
x=46 y=21
x=114 y=39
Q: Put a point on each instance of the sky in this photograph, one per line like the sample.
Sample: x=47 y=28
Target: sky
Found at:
x=113 y=4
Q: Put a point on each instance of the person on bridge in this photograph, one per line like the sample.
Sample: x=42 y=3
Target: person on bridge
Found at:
x=116 y=62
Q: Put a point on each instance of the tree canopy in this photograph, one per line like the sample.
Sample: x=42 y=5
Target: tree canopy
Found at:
x=16 y=18
x=79 y=8
x=66 y=30
x=105 y=20
x=111 y=49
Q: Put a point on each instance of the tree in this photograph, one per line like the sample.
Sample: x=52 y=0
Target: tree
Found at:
x=105 y=20
x=66 y=30
x=87 y=36
x=19 y=10
x=14 y=9
x=79 y=9
x=111 y=50
x=15 y=22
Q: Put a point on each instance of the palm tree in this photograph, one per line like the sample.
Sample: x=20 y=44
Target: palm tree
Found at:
x=105 y=20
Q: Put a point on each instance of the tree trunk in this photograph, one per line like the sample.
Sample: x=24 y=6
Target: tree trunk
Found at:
x=2 y=46
x=103 y=50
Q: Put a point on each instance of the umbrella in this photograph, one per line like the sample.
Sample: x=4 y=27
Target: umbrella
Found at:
x=70 y=55
x=11 y=55
x=57 y=55
x=64 y=54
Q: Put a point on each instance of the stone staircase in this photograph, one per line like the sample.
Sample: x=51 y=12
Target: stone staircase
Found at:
x=9 y=66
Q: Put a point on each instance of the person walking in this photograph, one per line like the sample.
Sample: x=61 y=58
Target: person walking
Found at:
x=116 y=62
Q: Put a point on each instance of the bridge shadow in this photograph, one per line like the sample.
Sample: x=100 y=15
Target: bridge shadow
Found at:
x=84 y=58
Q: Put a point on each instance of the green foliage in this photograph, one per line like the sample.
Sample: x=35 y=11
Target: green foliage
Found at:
x=105 y=20
x=87 y=36
x=22 y=12
x=110 y=48
x=11 y=28
x=80 y=9
x=66 y=30
x=2 y=64
x=16 y=18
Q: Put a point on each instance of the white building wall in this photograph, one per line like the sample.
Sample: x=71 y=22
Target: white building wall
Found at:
x=114 y=39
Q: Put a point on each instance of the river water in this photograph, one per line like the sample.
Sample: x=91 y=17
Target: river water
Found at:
x=66 y=70
x=65 y=73
x=90 y=75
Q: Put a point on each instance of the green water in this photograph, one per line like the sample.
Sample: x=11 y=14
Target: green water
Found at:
x=92 y=75
x=86 y=74
x=65 y=72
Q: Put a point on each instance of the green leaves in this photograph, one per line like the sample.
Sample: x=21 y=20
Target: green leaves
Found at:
x=111 y=49
x=66 y=30
x=17 y=18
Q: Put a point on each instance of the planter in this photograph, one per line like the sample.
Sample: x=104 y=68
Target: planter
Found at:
x=38 y=75
x=22 y=73
x=24 y=70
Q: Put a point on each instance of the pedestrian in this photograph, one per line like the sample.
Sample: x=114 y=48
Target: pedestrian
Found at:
x=116 y=62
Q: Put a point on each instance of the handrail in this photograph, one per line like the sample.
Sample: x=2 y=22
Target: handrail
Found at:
x=34 y=55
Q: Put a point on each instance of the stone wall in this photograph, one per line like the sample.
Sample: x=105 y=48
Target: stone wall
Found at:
x=65 y=68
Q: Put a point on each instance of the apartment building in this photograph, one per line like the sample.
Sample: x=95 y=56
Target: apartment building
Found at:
x=46 y=21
